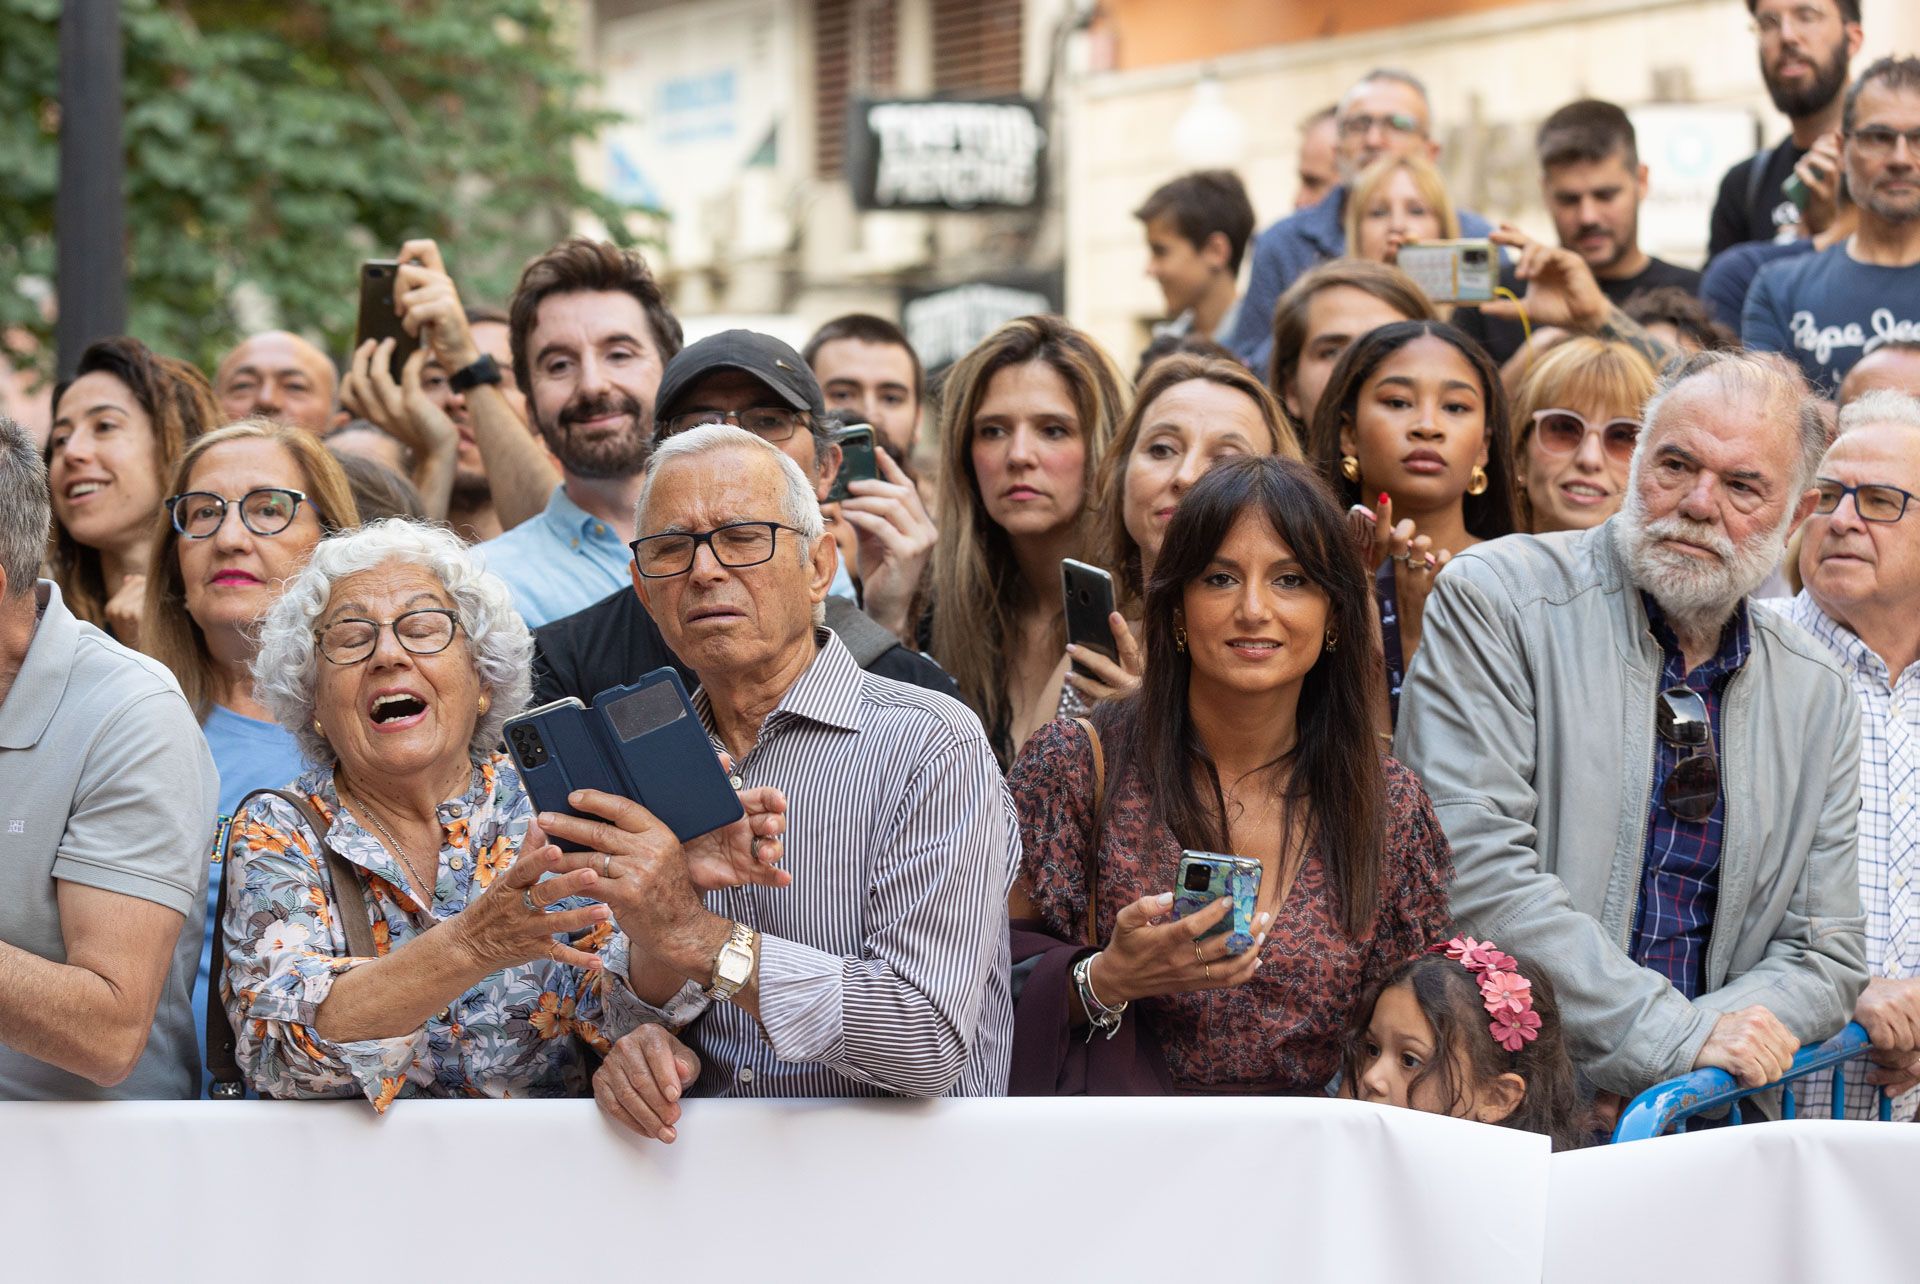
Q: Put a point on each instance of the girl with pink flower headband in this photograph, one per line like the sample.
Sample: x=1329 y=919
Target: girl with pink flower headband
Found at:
x=1468 y=1031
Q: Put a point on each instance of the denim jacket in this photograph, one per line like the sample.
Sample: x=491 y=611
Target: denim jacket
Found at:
x=1529 y=713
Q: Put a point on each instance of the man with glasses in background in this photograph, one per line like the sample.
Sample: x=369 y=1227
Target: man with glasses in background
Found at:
x=1386 y=114
x=758 y=383
x=1650 y=788
x=1805 y=47
x=591 y=334
x=1860 y=560
x=882 y=969
x=1829 y=309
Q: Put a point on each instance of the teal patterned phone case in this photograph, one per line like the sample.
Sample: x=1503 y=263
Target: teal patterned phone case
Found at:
x=1204 y=878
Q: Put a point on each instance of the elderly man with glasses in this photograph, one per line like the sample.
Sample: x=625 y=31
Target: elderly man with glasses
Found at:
x=1860 y=561
x=762 y=385
x=882 y=968
x=1385 y=114
x=1650 y=788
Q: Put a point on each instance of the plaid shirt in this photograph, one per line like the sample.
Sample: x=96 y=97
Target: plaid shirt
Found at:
x=1889 y=830
x=1680 y=872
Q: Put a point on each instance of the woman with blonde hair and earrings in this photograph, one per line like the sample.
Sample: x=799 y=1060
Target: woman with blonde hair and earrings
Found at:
x=1027 y=417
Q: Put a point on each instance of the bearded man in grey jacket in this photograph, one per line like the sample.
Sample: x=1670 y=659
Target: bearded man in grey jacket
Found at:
x=1651 y=790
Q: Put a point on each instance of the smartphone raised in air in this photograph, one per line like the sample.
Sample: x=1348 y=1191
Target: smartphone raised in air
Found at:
x=857 y=462
x=1452 y=271
x=377 y=317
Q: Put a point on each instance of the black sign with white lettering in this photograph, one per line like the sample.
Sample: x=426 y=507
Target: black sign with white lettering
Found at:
x=945 y=324
x=945 y=154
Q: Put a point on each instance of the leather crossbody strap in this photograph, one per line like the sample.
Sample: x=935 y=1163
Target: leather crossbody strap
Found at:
x=350 y=902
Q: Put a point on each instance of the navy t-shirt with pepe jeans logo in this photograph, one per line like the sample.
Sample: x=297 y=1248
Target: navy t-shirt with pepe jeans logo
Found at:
x=1828 y=310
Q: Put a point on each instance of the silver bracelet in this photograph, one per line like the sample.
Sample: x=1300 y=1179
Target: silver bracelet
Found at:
x=1099 y=1015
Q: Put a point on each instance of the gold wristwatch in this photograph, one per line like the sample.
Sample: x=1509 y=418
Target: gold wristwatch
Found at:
x=734 y=966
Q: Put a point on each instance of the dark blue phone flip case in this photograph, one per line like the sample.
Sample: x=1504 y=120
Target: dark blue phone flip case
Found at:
x=641 y=741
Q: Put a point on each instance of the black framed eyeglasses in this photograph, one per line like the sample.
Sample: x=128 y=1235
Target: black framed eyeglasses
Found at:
x=428 y=631
x=1560 y=432
x=737 y=544
x=1693 y=787
x=1874 y=501
x=264 y=510
x=769 y=423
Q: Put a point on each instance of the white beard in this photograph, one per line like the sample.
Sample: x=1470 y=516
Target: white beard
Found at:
x=1698 y=596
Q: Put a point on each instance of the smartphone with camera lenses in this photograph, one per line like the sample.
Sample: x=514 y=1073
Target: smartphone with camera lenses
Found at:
x=1452 y=271
x=1204 y=878
x=641 y=741
x=1089 y=600
x=377 y=317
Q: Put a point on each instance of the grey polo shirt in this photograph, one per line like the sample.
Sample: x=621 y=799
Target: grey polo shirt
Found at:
x=105 y=781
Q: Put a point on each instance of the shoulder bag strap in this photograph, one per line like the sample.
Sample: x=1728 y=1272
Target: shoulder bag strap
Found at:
x=1093 y=843
x=349 y=897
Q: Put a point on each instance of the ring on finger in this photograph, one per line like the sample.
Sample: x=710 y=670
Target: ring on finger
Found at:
x=1207 y=968
x=553 y=951
x=606 y=865
x=1196 y=953
x=526 y=898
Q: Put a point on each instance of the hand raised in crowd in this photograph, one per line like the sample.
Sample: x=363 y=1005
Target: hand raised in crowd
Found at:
x=1415 y=564
x=640 y=1082
x=1751 y=1045
x=123 y=610
x=510 y=924
x=1152 y=953
x=1561 y=289
x=1820 y=170
x=896 y=537
x=1890 y=1012
x=1110 y=679
x=429 y=306
x=404 y=411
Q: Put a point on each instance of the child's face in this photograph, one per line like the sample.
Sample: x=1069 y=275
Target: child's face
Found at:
x=1400 y=1044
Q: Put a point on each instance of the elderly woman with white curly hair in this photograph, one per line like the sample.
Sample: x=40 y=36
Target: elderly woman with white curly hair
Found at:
x=395 y=660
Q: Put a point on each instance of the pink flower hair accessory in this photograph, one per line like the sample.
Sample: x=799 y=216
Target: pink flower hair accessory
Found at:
x=1506 y=995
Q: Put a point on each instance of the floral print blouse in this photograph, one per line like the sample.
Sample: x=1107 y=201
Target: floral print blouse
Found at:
x=1283 y=1031
x=525 y=1031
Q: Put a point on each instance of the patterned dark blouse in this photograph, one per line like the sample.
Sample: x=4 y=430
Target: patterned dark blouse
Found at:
x=1284 y=1028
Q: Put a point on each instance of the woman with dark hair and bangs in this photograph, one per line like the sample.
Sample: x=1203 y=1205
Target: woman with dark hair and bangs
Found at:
x=1252 y=733
x=1413 y=431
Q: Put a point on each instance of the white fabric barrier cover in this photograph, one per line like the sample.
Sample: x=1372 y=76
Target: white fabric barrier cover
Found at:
x=1223 y=1189
x=1810 y=1200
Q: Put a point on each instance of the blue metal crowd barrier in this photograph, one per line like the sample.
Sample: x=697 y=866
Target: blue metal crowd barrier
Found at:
x=1671 y=1104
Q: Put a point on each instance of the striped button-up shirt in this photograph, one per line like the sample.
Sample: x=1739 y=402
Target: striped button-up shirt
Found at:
x=883 y=965
x=1889 y=830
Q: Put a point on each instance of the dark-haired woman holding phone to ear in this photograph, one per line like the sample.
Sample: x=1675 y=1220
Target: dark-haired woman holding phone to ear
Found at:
x=1252 y=734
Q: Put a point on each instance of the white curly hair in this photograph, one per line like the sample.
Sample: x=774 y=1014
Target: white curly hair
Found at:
x=286 y=667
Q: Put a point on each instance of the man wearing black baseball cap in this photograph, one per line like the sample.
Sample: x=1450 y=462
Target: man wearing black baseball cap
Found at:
x=760 y=384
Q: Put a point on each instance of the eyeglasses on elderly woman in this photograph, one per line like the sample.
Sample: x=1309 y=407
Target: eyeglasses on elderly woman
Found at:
x=428 y=631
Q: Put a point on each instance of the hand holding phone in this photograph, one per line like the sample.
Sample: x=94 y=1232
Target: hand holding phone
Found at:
x=1206 y=877
x=1088 y=594
x=857 y=462
x=378 y=317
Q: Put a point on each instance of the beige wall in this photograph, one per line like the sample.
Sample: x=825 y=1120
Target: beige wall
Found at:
x=1492 y=76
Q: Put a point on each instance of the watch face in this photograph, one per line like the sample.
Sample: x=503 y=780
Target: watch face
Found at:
x=736 y=965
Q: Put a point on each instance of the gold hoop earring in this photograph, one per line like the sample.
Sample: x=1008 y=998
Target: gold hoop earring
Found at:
x=1350 y=468
x=1333 y=640
x=1179 y=635
x=1477 y=482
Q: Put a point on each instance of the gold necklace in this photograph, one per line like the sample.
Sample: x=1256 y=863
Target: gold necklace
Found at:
x=406 y=861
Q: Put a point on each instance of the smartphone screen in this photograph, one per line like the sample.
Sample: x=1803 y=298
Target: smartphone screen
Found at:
x=377 y=317
x=857 y=462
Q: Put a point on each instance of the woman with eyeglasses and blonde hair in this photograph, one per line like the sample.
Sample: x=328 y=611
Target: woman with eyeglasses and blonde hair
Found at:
x=1576 y=419
x=246 y=506
x=1395 y=201
x=1026 y=419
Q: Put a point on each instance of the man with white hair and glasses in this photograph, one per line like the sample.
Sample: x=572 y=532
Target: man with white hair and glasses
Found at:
x=1860 y=561
x=1650 y=788
x=882 y=968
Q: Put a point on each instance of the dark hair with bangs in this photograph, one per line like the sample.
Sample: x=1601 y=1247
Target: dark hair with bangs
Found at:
x=1334 y=786
x=1449 y=998
x=1489 y=514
